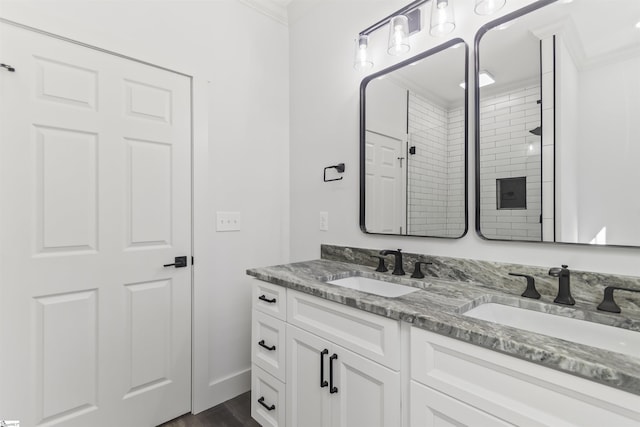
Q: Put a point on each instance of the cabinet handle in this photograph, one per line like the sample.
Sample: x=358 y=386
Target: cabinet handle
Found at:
x=332 y=389
x=263 y=345
x=323 y=382
x=269 y=408
x=265 y=299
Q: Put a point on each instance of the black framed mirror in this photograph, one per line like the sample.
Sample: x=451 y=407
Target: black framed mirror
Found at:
x=413 y=145
x=559 y=115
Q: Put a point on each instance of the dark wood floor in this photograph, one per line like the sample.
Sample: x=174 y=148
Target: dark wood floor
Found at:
x=232 y=413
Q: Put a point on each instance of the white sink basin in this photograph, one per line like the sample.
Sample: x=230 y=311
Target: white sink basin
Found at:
x=580 y=331
x=373 y=286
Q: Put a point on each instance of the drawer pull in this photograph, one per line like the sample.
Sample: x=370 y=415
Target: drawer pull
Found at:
x=265 y=299
x=269 y=408
x=263 y=345
x=323 y=382
x=332 y=389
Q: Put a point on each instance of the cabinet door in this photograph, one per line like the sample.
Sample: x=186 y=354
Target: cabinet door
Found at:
x=430 y=408
x=368 y=394
x=308 y=402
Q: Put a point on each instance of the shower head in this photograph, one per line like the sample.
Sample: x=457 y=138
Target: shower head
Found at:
x=537 y=131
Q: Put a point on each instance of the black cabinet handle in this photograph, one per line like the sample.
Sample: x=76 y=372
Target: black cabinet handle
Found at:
x=269 y=408
x=323 y=382
x=263 y=345
x=332 y=389
x=265 y=299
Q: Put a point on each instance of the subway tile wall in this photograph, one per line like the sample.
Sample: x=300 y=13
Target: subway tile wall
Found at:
x=435 y=185
x=509 y=150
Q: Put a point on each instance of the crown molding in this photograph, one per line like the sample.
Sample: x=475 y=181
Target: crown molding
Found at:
x=275 y=9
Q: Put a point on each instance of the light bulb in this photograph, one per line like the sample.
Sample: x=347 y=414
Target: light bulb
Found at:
x=399 y=35
x=487 y=7
x=361 y=60
x=442 y=18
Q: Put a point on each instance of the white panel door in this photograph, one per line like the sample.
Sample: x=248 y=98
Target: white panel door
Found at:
x=385 y=178
x=95 y=194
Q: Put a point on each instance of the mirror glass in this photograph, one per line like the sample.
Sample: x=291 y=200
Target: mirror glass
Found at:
x=558 y=114
x=413 y=127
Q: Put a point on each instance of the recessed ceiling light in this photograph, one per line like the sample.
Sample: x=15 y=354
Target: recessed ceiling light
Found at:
x=484 y=79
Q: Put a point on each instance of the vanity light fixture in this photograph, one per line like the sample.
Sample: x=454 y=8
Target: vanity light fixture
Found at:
x=484 y=79
x=398 y=35
x=406 y=21
x=487 y=7
x=362 y=59
x=442 y=18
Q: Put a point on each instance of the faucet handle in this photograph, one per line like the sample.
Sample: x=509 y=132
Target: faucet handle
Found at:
x=417 y=273
x=381 y=265
x=608 y=304
x=531 y=291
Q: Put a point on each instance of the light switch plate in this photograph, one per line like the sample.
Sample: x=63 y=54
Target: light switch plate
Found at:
x=228 y=221
x=324 y=221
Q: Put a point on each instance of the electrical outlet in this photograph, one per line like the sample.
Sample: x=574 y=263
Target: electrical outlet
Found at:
x=324 y=221
x=228 y=221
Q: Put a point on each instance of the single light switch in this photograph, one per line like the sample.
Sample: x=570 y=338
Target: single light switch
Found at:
x=228 y=221
x=324 y=221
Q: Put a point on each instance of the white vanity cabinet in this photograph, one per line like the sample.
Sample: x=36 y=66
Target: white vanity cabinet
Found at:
x=462 y=384
x=341 y=365
x=335 y=385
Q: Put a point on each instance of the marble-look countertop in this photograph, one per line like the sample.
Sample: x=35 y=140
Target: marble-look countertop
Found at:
x=439 y=305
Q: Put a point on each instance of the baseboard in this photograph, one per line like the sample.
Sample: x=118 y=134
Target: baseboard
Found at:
x=224 y=389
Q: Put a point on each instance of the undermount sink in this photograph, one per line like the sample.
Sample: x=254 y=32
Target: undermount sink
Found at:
x=579 y=331
x=373 y=286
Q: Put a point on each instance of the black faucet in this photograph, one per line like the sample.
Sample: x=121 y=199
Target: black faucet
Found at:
x=608 y=304
x=397 y=265
x=564 y=291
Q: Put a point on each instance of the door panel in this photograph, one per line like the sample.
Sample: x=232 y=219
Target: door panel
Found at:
x=95 y=191
x=64 y=322
x=149 y=191
x=66 y=190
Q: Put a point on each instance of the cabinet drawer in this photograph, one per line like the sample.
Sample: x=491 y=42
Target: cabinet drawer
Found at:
x=520 y=392
x=430 y=408
x=268 y=344
x=267 y=399
x=270 y=299
x=373 y=336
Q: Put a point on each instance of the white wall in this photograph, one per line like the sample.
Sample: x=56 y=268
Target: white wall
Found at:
x=609 y=131
x=324 y=130
x=241 y=81
x=567 y=113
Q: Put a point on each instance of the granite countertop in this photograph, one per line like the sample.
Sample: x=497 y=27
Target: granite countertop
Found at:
x=437 y=307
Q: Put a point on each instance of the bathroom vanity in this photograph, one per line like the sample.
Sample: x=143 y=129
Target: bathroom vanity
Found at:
x=327 y=355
